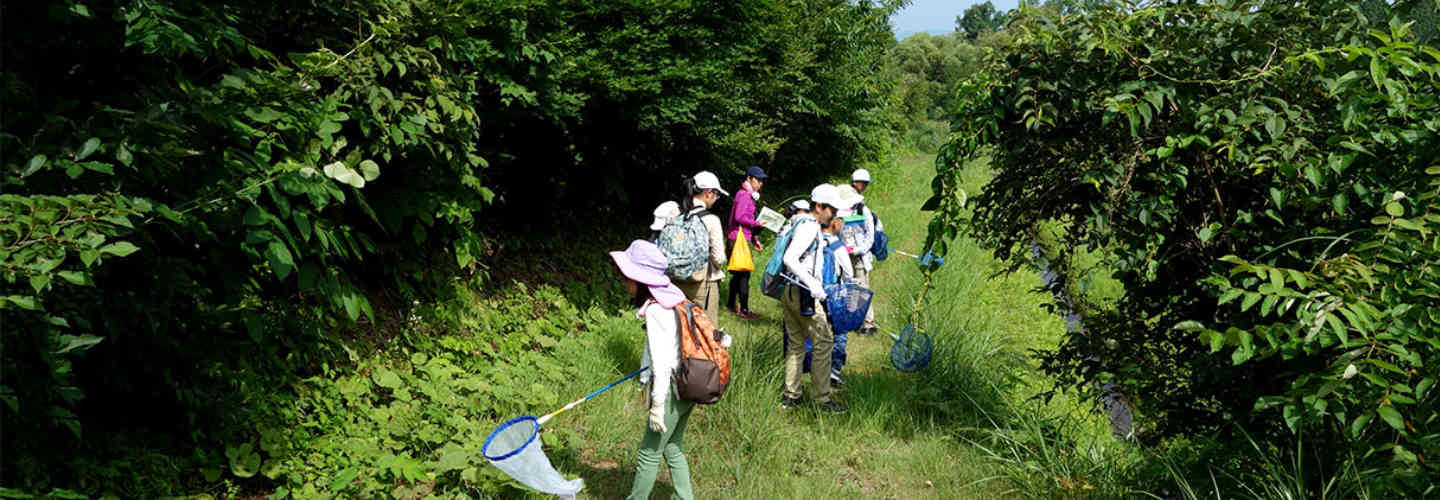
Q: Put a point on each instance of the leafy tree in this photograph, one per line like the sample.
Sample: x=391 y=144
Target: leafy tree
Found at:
x=1261 y=180
x=979 y=18
x=198 y=195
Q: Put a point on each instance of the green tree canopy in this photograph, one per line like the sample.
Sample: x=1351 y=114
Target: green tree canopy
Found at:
x=979 y=18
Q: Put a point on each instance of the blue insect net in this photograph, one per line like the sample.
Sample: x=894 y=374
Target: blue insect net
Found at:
x=911 y=352
x=847 y=303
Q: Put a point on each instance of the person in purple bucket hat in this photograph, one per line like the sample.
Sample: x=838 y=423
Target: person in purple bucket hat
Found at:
x=650 y=289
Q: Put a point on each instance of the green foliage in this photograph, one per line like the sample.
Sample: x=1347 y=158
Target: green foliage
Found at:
x=979 y=19
x=412 y=422
x=928 y=68
x=200 y=192
x=1215 y=151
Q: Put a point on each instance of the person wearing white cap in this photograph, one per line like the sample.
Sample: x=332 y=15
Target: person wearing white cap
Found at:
x=703 y=287
x=792 y=211
x=860 y=179
x=803 y=262
x=663 y=214
x=859 y=237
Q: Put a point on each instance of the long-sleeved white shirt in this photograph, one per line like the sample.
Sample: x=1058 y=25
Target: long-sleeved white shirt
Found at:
x=860 y=241
x=801 y=259
x=662 y=348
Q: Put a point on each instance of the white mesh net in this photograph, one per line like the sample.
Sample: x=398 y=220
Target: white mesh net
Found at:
x=515 y=449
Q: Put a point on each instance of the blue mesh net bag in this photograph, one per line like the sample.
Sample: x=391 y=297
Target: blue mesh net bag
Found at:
x=911 y=352
x=846 y=303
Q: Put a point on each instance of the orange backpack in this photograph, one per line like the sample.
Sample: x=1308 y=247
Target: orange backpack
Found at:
x=704 y=369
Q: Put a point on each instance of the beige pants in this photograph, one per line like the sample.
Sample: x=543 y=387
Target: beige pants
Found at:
x=862 y=277
x=821 y=338
x=705 y=294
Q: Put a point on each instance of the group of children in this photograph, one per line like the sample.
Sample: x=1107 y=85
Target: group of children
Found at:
x=821 y=251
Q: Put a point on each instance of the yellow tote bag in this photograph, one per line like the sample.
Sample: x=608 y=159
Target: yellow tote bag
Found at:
x=740 y=256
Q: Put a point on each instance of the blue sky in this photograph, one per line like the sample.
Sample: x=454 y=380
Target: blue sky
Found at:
x=936 y=16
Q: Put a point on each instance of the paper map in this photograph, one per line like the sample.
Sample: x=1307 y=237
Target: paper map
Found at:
x=771 y=219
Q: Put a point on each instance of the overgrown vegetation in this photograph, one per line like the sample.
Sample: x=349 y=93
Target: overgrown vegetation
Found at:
x=206 y=204
x=319 y=250
x=1261 y=179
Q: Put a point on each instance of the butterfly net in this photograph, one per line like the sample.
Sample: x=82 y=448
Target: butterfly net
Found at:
x=911 y=352
x=846 y=303
x=515 y=449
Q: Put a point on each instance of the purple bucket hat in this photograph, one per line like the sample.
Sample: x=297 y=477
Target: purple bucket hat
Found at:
x=643 y=263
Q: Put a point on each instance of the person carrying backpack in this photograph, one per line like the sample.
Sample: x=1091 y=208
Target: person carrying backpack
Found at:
x=703 y=286
x=742 y=222
x=643 y=266
x=838 y=269
x=804 y=314
x=835 y=269
x=861 y=258
x=794 y=209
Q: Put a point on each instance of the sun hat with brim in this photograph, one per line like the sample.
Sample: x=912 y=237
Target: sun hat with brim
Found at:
x=860 y=175
x=800 y=205
x=643 y=263
x=849 y=197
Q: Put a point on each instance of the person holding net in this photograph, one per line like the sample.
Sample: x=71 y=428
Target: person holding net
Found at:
x=861 y=241
x=643 y=267
x=804 y=315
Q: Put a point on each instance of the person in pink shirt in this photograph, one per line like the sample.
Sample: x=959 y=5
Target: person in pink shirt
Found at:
x=742 y=218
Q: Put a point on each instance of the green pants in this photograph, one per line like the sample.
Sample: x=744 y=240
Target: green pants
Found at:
x=667 y=444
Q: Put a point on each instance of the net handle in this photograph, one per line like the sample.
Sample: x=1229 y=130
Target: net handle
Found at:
x=573 y=404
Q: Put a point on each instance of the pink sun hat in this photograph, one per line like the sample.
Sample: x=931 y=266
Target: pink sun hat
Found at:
x=643 y=263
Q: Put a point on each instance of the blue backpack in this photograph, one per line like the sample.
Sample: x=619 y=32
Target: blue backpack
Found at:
x=881 y=248
x=772 y=283
x=686 y=244
x=829 y=276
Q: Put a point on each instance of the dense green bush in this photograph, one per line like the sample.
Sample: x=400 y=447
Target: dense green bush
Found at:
x=1281 y=154
x=201 y=198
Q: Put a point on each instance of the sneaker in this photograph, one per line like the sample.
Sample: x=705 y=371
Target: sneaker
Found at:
x=833 y=406
x=789 y=403
x=836 y=381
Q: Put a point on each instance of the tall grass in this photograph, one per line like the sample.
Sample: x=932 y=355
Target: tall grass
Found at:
x=984 y=323
x=968 y=426
x=1260 y=471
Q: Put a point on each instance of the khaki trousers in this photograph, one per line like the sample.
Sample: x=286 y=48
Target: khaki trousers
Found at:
x=862 y=277
x=705 y=294
x=817 y=327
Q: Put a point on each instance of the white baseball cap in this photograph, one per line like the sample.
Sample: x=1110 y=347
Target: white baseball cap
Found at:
x=860 y=175
x=663 y=214
x=825 y=194
x=800 y=205
x=707 y=180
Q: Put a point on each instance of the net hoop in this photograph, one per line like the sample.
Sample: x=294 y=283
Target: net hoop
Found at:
x=485 y=449
x=911 y=351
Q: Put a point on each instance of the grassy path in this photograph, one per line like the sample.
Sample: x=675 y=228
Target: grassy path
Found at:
x=897 y=440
